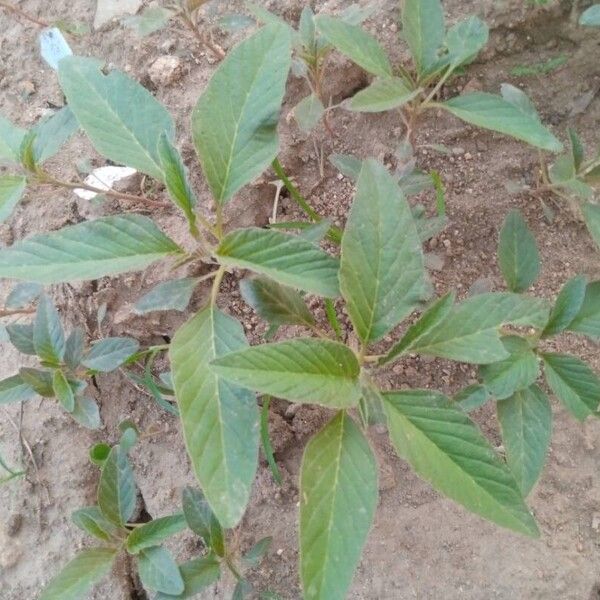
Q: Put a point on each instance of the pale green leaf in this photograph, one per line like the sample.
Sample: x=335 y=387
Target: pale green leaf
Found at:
x=110 y=353
x=202 y=520
x=220 y=420
x=573 y=383
x=76 y=579
x=444 y=447
x=383 y=94
x=122 y=119
x=587 y=320
x=465 y=40
x=382 y=273
x=287 y=259
x=277 y=304
x=151 y=19
x=14 y=389
x=526 y=422
x=11 y=190
x=154 y=532
x=470 y=332
x=591 y=215
x=48 y=333
x=159 y=572
x=93 y=522
x=23 y=294
x=471 y=397
x=347 y=164
x=116 y=490
x=516 y=372
x=518 y=98
x=52 y=133
x=197 y=574
x=338 y=498
x=423 y=29
x=88 y=250
x=300 y=370
x=355 y=43
x=234 y=123
x=86 y=413
x=495 y=113
x=255 y=555
x=63 y=391
x=567 y=306
x=591 y=16
x=430 y=319
x=169 y=295
x=74 y=348
x=11 y=138
x=308 y=112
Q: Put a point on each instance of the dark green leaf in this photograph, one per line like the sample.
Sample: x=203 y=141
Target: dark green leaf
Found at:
x=63 y=391
x=159 y=572
x=48 y=333
x=587 y=320
x=99 y=453
x=116 y=491
x=110 y=353
x=567 y=305
x=577 y=150
x=154 y=532
x=202 y=521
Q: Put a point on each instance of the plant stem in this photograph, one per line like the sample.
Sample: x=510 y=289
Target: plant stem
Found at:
x=21 y=13
x=218 y=229
x=188 y=20
x=216 y=284
x=437 y=87
x=295 y=194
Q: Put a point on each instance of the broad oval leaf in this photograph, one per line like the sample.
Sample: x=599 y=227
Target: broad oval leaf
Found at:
x=11 y=190
x=526 y=421
x=154 y=532
x=338 y=498
x=587 y=320
x=15 y=389
x=308 y=112
x=494 y=112
x=382 y=272
x=573 y=383
x=168 y=295
x=93 y=522
x=116 y=490
x=77 y=578
x=88 y=250
x=21 y=337
x=197 y=574
x=202 y=520
x=122 y=119
x=86 y=412
x=159 y=572
x=288 y=259
x=48 y=333
x=383 y=94
x=444 y=447
x=300 y=370
x=518 y=255
x=465 y=40
x=470 y=332
x=63 y=391
x=11 y=138
x=110 y=353
x=220 y=420
x=234 y=123
x=567 y=305
x=74 y=348
x=355 y=43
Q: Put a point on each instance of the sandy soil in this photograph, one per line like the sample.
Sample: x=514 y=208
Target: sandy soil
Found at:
x=422 y=546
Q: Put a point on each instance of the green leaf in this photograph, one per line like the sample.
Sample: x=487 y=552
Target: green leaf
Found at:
x=470 y=332
x=471 y=397
x=255 y=555
x=23 y=294
x=151 y=19
x=88 y=250
x=154 y=532
x=275 y=303
x=382 y=274
x=86 y=412
x=202 y=520
x=465 y=40
x=40 y=381
x=14 y=389
x=197 y=574
x=220 y=420
x=383 y=94
x=77 y=578
x=587 y=320
x=308 y=112
x=92 y=521
x=429 y=320
x=243 y=589
x=116 y=490
x=423 y=29
x=300 y=370
x=74 y=348
x=169 y=295
x=526 y=421
x=577 y=151
x=11 y=190
x=567 y=305
x=234 y=123
x=347 y=165
x=122 y=119
x=110 y=353
x=355 y=43
x=591 y=16
x=495 y=113
x=52 y=133
x=518 y=371
x=176 y=179
x=63 y=391
x=48 y=333
x=159 y=572
x=338 y=498
x=11 y=138
x=21 y=337
x=573 y=383
x=444 y=447
x=287 y=259
x=591 y=215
